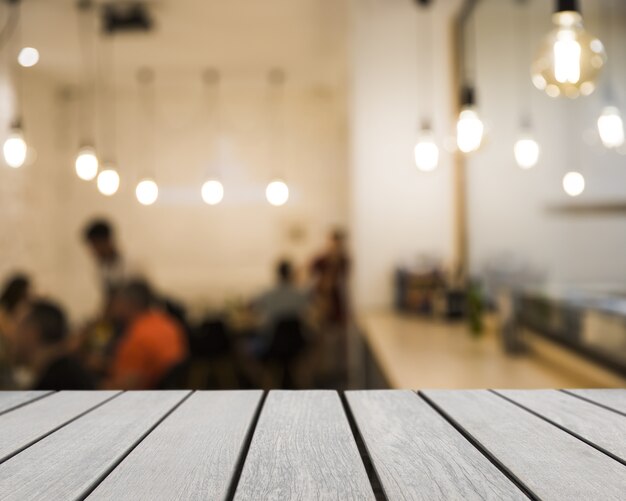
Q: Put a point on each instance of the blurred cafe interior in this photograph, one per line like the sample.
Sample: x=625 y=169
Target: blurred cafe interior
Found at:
x=300 y=194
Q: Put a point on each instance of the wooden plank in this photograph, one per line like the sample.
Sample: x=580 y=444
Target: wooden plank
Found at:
x=417 y=454
x=25 y=425
x=192 y=454
x=303 y=448
x=551 y=463
x=601 y=427
x=70 y=462
x=614 y=399
x=12 y=399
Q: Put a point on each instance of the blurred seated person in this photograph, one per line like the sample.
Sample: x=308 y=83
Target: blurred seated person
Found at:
x=42 y=344
x=283 y=301
x=14 y=300
x=152 y=343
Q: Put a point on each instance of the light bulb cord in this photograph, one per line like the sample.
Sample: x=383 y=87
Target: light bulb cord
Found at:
x=276 y=111
x=87 y=105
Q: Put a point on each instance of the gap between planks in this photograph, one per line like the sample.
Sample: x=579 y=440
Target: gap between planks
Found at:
x=99 y=480
x=63 y=425
x=372 y=475
x=483 y=450
x=561 y=427
x=245 y=448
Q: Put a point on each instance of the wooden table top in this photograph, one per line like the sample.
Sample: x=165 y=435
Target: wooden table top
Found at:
x=247 y=445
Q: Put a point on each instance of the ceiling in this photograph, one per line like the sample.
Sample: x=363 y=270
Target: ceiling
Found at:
x=243 y=38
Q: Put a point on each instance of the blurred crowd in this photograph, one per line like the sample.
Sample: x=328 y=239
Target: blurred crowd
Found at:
x=292 y=335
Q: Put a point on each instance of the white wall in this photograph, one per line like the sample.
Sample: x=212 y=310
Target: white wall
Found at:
x=204 y=255
x=398 y=213
x=508 y=207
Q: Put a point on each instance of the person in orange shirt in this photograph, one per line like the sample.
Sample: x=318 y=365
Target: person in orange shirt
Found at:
x=152 y=345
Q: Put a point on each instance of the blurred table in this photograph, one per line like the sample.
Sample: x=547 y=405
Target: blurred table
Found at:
x=360 y=445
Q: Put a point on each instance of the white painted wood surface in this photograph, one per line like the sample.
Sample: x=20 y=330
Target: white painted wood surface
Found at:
x=29 y=423
x=303 y=449
x=69 y=463
x=417 y=454
x=180 y=445
x=550 y=462
x=12 y=399
x=603 y=428
x=614 y=399
x=192 y=454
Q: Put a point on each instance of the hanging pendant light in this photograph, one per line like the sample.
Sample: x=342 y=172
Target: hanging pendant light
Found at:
x=28 y=57
x=147 y=191
x=570 y=59
x=14 y=147
x=526 y=151
x=277 y=193
x=86 y=163
x=469 y=127
x=611 y=127
x=212 y=192
x=108 y=180
x=426 y=151
x=573 y=183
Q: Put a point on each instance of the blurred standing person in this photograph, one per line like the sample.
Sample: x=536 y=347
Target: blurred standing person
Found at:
x=100 y=337
x=113 y=269
x=152 y=344
x=14 y=301
x=42 y=344
x=329 y=272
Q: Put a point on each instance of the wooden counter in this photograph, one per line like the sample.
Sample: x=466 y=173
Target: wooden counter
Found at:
x=413 y=352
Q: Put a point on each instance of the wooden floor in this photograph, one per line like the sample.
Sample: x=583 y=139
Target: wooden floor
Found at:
x=414 y=352
x=313 y=445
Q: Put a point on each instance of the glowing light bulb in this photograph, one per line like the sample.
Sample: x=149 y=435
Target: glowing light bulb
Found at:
x=28 y=56
x=569 y=60
x=86 y=164
x=526 y=151
x=573 y=183
x=277 y=193
x=611 y=127
x=426 y=152
x=108 y=181
x=469 y=131
x=212 y=192
x=147 y=192
x=15 y=149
